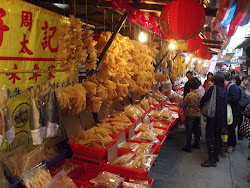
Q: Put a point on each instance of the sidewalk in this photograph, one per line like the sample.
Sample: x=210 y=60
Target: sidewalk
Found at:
x=177 y=169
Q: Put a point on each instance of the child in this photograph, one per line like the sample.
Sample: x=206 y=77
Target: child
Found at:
x=193 y=116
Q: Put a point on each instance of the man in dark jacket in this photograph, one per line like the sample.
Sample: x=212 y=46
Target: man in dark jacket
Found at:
x=189 y=75
x=233 y=98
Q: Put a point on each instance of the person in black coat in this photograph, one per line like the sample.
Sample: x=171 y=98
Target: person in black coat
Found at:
x=233 y=98
x=189 y=76
x=217 y=125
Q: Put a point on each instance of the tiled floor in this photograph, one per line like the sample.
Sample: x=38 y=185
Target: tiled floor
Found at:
x=177 y=169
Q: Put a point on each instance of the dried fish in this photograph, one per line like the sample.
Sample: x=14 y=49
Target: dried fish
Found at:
x=42 y=92
x=54 y=115
x=34 y=113
x=34 y=117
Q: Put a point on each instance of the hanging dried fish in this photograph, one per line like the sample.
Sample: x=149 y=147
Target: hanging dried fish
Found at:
x=54 y=116
x=42 y=92
x=34 y=117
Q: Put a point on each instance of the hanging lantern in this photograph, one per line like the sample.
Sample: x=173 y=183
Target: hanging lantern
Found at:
x=209 y=56
x=194 y=43
x=182 y=19
x=202 y=51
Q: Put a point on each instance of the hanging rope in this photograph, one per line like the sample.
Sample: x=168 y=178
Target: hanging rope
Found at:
x=86 y=12
x=105 y=12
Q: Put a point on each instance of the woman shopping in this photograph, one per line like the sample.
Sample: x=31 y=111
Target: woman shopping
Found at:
x=209 y=77
x=218 y=124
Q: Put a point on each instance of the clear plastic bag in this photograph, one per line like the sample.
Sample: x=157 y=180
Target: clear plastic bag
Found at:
x=13 y=161
x=132 y=112
x=158 y=131
x=143 y=127
x=32 y=159
x=141 y=161
x=60 y=180
x=145 y=104
x=146 y=119
x=147 y=136
x=50 y=152
x=128 y=145
x=37 y=177
x=143 y=148
x=132 y=185
x=144 y=183
x=155 y=115
x=166 y=115
x=159 y=124
x=67 y=167
x=123 y=160
x=107 y=179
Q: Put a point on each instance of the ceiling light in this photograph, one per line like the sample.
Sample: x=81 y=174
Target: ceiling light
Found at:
x=171 y=46
x=142 y=37
x=60 y=5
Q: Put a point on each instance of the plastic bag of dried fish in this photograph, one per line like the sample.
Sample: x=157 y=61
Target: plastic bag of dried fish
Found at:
x=42 y=92
x=37 y=177
x=54 y=115
x=60 y=180
x=34 y=117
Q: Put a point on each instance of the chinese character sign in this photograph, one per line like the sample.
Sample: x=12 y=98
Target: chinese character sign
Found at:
x=28 y=51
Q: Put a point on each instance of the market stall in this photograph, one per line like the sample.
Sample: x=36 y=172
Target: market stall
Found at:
x=106 y=131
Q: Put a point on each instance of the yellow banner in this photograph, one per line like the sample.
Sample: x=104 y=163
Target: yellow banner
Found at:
x=28 y=43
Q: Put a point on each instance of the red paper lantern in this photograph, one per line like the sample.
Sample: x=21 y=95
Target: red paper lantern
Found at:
x=202 y=51
x=194 y=43
x=209 y=56
x=182 y=19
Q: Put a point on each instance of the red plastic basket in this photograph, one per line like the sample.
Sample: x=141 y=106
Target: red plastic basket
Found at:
x=125 y=171
x=52 y=169
x=81 y=184
x=150 y=180
x=91 y=152
x=81 y=160
x=162 y=138
x=86 y=172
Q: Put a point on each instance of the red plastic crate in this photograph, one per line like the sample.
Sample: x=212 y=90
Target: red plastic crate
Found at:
x=81 y=184
x=124 y=151
x=86 y=172
x=162 y=138
x=81 y=160
x=125 y=171
x=150 y=180
x=58 y=165
x=91 y=152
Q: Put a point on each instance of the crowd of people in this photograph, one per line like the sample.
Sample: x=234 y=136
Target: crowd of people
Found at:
x=223 y=100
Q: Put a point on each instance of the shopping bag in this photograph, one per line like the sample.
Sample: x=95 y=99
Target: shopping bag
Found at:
x=229 y=114
x=245 y=128
x=183 y=105
x=209 y=108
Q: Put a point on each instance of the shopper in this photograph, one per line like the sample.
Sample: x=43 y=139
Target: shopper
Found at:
x=233 y=98
x=245 y=85
x=193 y=116
x=210 y=83
x=217 y=125
x=189 y=75
x=209 y=77
x=200 y=88
x=243 y=102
